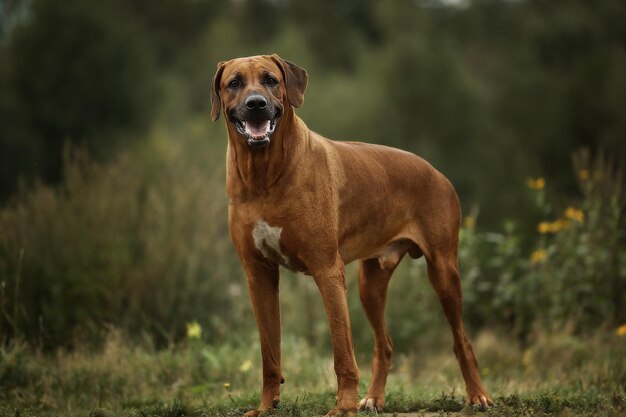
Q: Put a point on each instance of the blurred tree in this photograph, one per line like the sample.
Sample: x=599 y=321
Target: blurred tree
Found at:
x=75 y=71
x=336 y=30
x=573 y=52
x=547 y=76
x=11 y=13
x=173 y=24
x=258 y=20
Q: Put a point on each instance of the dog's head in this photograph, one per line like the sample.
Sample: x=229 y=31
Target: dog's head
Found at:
x=254 y=93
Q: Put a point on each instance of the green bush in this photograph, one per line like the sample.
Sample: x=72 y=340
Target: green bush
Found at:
x=571 y=273
x=131 y=243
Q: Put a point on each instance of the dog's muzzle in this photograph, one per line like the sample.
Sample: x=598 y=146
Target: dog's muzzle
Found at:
x=256 y=132
x=256 y=120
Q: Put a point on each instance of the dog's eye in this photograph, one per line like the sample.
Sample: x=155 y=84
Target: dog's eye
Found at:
x=271 y=81
x=234 y=83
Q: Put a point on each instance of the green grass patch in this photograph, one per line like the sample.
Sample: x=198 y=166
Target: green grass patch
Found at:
x=558 y=375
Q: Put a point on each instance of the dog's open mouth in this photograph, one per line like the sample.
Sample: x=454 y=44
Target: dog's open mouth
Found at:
x=256 y=132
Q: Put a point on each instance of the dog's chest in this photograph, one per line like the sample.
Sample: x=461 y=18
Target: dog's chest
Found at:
x=267 y=239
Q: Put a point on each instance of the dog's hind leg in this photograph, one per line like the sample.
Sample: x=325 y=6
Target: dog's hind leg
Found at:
x=443 y=274
x=373 y=284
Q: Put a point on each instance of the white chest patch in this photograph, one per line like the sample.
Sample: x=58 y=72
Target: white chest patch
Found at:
x=267 y=240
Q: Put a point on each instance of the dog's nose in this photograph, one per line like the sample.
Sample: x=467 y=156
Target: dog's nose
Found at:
x=256 y=102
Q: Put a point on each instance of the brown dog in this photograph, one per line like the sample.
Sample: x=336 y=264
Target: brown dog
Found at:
x=313 y=205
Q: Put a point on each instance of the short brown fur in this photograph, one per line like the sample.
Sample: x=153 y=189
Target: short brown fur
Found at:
x=335 y=202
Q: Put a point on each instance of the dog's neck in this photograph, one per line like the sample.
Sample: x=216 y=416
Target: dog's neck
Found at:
x=252 y=172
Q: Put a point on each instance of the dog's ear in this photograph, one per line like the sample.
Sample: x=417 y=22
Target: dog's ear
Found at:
x=296 y=79
x=216 y=102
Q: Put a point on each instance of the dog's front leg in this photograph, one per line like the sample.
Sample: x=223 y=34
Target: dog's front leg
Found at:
x=263 y=286
x=332 y=286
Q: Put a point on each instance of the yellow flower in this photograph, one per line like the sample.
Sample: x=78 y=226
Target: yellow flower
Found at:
x=484 y=371
x=246 y=366
x=574 y=214
x=469 y=222
x=543 y=228
x=552 y=227
x=559 y=225
x=227 y=385
x=621 y=330
x=194 y=330
x=537 y=184
x=583 y=174
x=538 y=256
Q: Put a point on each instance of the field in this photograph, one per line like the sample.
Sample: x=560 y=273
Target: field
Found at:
x=559 y=375
x=121 y=293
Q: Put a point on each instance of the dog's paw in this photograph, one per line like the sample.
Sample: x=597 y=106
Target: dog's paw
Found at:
x=480 y=399
x=341 y=412
x=260 y=413
x=371 y=404
x=267 y=411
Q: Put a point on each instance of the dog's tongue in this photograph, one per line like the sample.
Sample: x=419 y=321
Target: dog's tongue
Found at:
x=257 y=129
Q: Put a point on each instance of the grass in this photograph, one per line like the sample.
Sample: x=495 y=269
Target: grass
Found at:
x=559 y=375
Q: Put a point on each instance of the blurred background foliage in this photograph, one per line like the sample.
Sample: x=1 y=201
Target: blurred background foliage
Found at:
x=113 y=207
